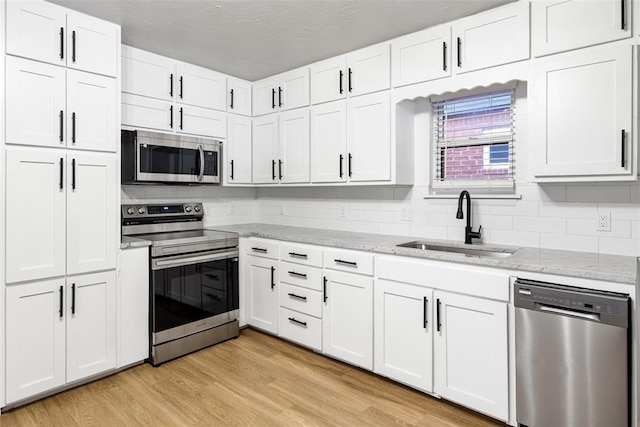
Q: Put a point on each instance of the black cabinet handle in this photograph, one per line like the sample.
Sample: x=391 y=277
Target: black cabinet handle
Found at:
x=73 y=46
x=425 y=322
x=324 y=289
x=181 y=88
x=73 y=128
x=61 y=116
x=273 y=283
x=273 y=170
x=61 y=290
x=231 y=104
x=294 y=320
x=349 y=166
x=61 y=42
x=341 y=77
x=171 y=116
x=297 y=255
x=273 y=98
x=73 y=299
x=171 y=85
x=438 y=324
x=341 y=159
x=61 y=172
x=293 y=273
x=231 y=169
x=280 y=169
x=292 y=295
x=279 y=96
x=259 y=250
x=180 y=116
x=350 y=73
x=351 y=263
x=444 y=56
x=73 y=174
x=459 y=53
x=623 y=146
x=623 y=12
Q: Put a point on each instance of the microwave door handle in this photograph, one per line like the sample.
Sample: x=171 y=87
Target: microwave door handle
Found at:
x=201 y=174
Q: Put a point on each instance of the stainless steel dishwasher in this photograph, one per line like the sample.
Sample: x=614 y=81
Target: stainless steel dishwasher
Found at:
x=572 y=356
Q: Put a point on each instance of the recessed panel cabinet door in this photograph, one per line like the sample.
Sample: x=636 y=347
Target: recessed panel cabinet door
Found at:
x=92 y=213
x=91 y=111
x=293 y=163
x=329 y=142
x=92 y=44
x=35 y=103
x=238 y=150
x=421 y=56
x=91 y=324
x=35 y=239
x=582 y=132
x=369 y=70
x=329 y=80
x=293 y=89
x=239 y=96
x=201 y=87
x=35 y=338
x=264 y=163
x=147 y=74
x=200 y=121
x=263 y=292
x=144 y=112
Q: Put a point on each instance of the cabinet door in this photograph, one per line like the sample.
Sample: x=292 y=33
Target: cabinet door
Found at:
x=370 y=138
x=35 y=239
x=92 y=44
x=404 y=333
x=36 y=29
x=293 y=163
x=91 y=111
x=497 y=37
x=262 y=278
x=201 y=121
x=238 y=150
x=470 y=357
x=35 y=103
x=560 y=25
x=329 y=142
x=265 y=96
x=147 y=74
x=293 y=89
x=35 y=338
x=328 y=80
x=91 y=324
x=201 y=87
x=421 y=56
x=347 y=331
x=578 y=132
x=92 y=212
x=369 y=70
x=265 y=150
x=143 y=112
x=239 y=96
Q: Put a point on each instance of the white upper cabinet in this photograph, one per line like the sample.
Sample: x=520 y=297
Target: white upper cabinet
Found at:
x=581 y=134
x=265 y=149
x=329 y=142
x=200 y=121
x=147 y=74
x=53 y=34
x=421 y=56
x=237 y=150
x=357 y=73
x=142 y=112
x=561 y=25
x=282 y=92
x=200 y=87
x=238 y=96
x=496 y=37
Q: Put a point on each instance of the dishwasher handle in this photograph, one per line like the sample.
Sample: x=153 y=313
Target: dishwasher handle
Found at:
x=563 y=311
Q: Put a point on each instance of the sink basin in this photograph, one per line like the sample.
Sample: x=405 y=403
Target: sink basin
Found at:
x=479 y=252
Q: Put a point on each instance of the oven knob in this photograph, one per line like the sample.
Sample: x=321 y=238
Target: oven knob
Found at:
x=130 y=211
x=196 y=208
x=140 y=211
x=187 y=208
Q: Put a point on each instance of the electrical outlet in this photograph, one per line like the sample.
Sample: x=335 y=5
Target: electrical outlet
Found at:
x=604 y=221
x=406 y=214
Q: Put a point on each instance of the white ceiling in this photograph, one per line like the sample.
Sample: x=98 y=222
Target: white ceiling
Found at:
x=252 y=39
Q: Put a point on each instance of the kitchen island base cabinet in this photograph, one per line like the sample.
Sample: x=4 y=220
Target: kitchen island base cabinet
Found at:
x=347 y=329
x=471 y=353
x=262 y=276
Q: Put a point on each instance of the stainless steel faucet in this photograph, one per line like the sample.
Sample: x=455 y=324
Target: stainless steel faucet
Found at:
x=468 y=232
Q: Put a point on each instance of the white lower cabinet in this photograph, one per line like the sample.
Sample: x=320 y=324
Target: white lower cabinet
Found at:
x=404 y=333
x=471 y=353
x=59 y=331
x=262 y=277
x=347 y=328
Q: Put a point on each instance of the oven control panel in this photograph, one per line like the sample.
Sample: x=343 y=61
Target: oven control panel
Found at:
x=194 y=210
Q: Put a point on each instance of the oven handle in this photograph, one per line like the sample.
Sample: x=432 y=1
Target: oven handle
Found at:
x=201 y=174
x=160 y=264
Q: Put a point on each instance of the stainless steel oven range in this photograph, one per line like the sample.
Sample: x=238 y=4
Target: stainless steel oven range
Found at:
x=193 y=278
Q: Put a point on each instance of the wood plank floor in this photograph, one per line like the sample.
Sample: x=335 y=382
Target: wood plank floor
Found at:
x=256 y=380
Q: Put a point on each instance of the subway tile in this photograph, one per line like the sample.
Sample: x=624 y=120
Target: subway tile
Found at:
x=364 y=227
x=493 y=222
x=569 y=242
x=540 y=224
x=520 y=208
x=428 y=232
x=511 y=238
x=599 y=193
x=569 y=210
x=587 y=227
x=635 y=230
x=396 y=229
x=614 y=246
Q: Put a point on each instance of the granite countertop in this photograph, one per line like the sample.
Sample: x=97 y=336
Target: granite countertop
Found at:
x=133 y=242
x=610 y=268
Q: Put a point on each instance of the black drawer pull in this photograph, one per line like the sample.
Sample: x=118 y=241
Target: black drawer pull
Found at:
x=73 y=46
x=61 y=172
x=324 y=289
x=294 y=320
x=297 y=296
x=212 y=296
x=623 y=154
x=171 y=85
x=340 y=261
x=444 y=56
x=181 y=87
x=459 y=52
x=61 y=117
x=231 y=169
x=231 y=104
x=293 y=273
x=171 y=116
x=297 y=255
x=73 y=299
x=73 y=128
x=273 y=282
x=341 y=76
x=61 y=42
x=438 y=324
x=61 y=301
x=425 y=321
x=259 y=250
x=273 y=170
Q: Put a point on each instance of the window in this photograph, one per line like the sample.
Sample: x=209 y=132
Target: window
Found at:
x=473 y=140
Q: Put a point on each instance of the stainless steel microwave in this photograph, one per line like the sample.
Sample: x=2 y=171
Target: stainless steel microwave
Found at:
x=149 y=157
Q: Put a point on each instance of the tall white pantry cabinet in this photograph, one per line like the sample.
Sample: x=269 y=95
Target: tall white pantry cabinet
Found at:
x=61 y=142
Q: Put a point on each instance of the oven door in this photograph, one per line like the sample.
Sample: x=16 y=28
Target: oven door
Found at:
x=179 y=161
x=194 y=292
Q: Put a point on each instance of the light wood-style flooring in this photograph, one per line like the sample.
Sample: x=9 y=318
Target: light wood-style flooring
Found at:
x=256 y=380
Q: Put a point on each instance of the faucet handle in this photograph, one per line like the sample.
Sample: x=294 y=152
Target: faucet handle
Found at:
x=476 y=234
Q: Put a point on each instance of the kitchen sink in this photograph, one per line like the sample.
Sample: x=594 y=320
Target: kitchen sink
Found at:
x=479 y=252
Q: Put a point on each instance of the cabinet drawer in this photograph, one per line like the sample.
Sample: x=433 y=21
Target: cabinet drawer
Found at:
x=301 y=299
x=263 y=247
x=300 y=275
x=353 y=262
x=143 y=112
x=301 y=328
x=301 y=254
